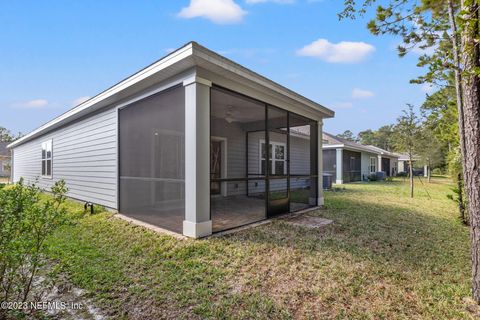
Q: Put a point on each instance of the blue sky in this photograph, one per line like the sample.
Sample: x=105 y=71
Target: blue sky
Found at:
x=53 y=54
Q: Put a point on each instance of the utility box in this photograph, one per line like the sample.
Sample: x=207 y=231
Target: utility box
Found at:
x=327 y=181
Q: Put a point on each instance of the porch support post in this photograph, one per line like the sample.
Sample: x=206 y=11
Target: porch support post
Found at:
x=425 y=170
x=197 y=221
x=320 y=198
x=339 y=165
x=380 y=163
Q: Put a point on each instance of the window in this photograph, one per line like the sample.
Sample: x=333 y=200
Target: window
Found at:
x=47 y=158
x=5 y=166
x=277 y=164
x=373 y=164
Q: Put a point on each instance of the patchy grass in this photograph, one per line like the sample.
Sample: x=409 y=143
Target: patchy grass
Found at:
x=386 y=256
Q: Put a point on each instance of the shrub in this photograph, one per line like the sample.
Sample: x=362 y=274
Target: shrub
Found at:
x=2 y=185
x=402 y=174
x=372 y=177
x=26 y=221
x=437 y=171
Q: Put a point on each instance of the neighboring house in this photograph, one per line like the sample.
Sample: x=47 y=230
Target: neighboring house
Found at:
x=348 y=161
x=194 y=143
x=403 y=165
x=5 y=160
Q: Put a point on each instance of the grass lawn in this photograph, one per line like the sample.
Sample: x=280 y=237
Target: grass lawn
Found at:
x=386 y=256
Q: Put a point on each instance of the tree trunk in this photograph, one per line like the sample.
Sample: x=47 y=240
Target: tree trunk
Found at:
x=461 y=207
x=456 y=47
x=471 y=127
x=429 y=172
x=411 y=177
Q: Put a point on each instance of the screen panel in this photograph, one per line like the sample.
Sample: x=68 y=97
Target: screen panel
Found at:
x=237 y=188
x=152 y=159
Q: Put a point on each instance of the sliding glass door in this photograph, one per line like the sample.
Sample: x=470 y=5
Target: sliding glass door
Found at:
x=263 y=160
x=278 y=155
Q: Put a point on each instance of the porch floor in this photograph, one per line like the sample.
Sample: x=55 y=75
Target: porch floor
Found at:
x=226 y=213
x=236 y=211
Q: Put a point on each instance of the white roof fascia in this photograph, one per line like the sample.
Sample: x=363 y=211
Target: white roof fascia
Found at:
x=163 y=63
x=191 y=49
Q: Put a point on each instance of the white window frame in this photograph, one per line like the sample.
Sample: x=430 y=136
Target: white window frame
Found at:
x=5 y=165
x=261 y=158
x=46 y=146
x=373 y=164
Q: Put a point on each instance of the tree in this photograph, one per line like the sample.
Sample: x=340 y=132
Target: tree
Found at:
x=470 y=127
x=367 y=137
x=408 y=137
x=7 y=136
x=385 y=137
x=430 y=150
x=452 y=29
x=441 y=118
x=348 y=135
x=382 y=138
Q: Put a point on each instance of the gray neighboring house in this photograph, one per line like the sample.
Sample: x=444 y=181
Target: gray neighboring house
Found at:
x=403 y=165
x=348 y=161
x=194 y=143
x=5 y=160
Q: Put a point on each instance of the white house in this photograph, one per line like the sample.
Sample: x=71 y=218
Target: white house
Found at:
x=194 y=143
x=348 y=161
x=403 y=164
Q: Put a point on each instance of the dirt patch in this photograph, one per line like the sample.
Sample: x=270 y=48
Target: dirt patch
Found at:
x=64 y=300
x=309 y=221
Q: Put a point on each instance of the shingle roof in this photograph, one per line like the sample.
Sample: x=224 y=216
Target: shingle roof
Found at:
x=369 y=148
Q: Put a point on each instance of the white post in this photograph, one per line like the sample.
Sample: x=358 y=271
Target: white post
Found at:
x=339 y=166
x=320 y=199
x=425 y=170
x=197 y=221
x=379 y=163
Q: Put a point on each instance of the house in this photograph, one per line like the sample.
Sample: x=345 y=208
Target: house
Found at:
x=403 y=165
x=348 y=161
x=194 y=143
x=5 y=160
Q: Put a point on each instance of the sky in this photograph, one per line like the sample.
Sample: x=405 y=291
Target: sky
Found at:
x=56 y=54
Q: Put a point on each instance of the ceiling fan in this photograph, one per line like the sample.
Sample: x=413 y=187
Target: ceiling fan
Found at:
x=229 y=114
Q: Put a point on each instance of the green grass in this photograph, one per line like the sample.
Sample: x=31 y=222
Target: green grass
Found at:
x=386 y=256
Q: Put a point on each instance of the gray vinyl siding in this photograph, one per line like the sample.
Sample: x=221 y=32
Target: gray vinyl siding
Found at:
x=366 y=163
x=236 y=162
x=84 y=155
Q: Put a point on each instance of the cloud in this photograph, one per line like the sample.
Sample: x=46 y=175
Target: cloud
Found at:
x=273 y=1
x=343 y=105
x=80 y=100
x=32 y=104
x=217 y=11
x=361 y=94
x=342 y=52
